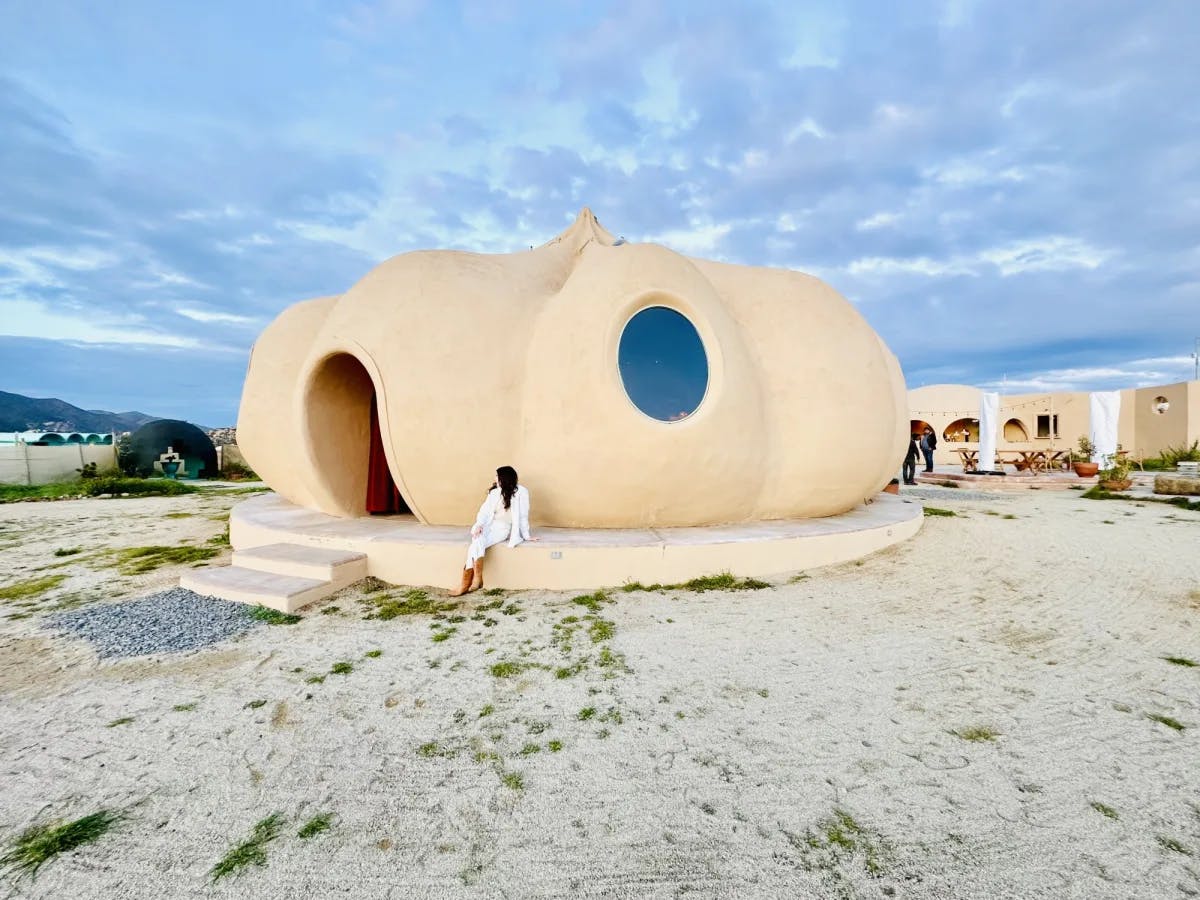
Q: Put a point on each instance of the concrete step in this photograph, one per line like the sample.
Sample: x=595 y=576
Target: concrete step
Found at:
x=286 y=593
x=342 y=567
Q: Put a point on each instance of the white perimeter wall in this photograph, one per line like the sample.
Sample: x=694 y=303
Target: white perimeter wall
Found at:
x=23 y=464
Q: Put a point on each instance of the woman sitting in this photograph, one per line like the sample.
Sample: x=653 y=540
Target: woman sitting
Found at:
x=504 y=515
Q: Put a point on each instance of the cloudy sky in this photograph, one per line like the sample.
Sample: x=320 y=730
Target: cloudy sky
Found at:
x=1008 y=191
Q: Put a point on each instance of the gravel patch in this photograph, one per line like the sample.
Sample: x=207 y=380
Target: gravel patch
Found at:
x=934 y=492
x=167 y=622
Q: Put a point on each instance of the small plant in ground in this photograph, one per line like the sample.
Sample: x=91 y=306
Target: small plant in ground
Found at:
x=68 y=551
x=140 y=560
x=514 y=780
x=586 y=713
x=314 y=826
x=592 y=602
x=183 y=707
x=38 y=844
x=1168 y=843
x=341 y=668
x=978 y=733
x=315 y=679
x=373 y=654
x=251 y=852
x=1166 y=720
x=445 y=635
x=508 y=668
x=255 y=704
x=124 y=720
x=795 y=579
x=432 y=749
x=330 y=610
x=1181 y=661
x=1105 y=810
x=487 y=710
x=273 y=616
x=572 y=670
x=530 y=749
x=554 y=746
x=601 y=630
x=493 y=592
x=935 y=511
x=613 y=715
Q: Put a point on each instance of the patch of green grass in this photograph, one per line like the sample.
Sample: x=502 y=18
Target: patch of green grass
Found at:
x=1168 y=843
x=251 y=852
x=255 y=704
x=493 y=592
x=724 y=581
x=796 y=579
x=613 y=715
x=1008 y=516
x=314 y=826
x=341 y=668
x=487 y=710
x=1099 y=493
x=592 y=602
x=1182 y=661
x=68 y=551
x=572 y=670
x=116 y=723
x=530 y=749
x=1105 y=810
x=38 y=844
x=330 y=610
x=554 y=746
x=586 y=713
x=514 y=780
x=841 y=837
x=178 y=515
x=34 y=587
x=935 y=511
x=977 y=733
x=432 y=749
x=273 y=616
x=184 y=707
x=92 y=487
x=444 y=635
x=412 y=602
x=315 y=679
x=1166 y=720
x=602 y=630
x=508 y=668
x=373 y=654
x=140 y=560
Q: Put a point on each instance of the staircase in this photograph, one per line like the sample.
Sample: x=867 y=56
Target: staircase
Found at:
x=281 y=576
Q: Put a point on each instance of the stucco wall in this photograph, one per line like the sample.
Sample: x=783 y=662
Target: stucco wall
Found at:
x=480 y=361
x=23 y=464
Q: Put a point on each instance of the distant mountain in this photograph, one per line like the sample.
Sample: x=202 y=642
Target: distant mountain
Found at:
x=19 y=413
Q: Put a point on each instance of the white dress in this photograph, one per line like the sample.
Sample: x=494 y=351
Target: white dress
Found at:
x=498 y=524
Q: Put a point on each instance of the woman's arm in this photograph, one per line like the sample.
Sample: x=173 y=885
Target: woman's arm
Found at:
x=487 y=510
x=525 y=517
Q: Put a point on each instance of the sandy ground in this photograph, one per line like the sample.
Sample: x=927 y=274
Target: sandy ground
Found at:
x=792 y=742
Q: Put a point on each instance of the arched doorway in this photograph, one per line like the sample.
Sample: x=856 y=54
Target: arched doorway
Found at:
x=1014 y=431
x=344 y=433
x=918 y=426
x=962 y=430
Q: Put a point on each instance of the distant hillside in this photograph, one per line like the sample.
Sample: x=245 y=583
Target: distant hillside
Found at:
x=19 y=413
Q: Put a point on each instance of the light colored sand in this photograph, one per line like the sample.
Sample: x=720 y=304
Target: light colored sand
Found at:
x=746 y=722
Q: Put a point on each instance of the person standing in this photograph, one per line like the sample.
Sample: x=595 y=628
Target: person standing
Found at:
x=910 y=461
x=928 y=445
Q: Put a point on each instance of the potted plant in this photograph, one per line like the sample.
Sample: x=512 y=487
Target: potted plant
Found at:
x=1081 y=462
x=1116 y=476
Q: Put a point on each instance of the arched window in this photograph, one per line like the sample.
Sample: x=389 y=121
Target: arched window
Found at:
x=962 y=431
x=662 y=364
x=1014 y=431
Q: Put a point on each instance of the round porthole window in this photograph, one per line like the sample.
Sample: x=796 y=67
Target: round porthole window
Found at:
x=1161 y=405
x=662 y=364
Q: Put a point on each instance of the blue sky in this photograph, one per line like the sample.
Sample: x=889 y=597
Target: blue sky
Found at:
x=1008 y=191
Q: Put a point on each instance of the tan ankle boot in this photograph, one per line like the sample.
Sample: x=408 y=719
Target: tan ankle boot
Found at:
x=467 y=575
x=477 y=575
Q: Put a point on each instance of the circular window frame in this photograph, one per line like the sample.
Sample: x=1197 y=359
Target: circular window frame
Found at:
x=708 y=344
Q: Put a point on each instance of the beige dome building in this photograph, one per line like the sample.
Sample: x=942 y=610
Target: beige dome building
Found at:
x=453 y=363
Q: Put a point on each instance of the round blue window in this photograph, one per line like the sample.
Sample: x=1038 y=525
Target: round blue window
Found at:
x=662 y=364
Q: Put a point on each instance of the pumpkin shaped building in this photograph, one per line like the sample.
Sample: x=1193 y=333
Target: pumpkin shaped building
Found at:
x=669 y=416
x=439 y=366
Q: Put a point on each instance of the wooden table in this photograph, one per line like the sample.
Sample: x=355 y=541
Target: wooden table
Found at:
x=970 y=458
x=1035 y=460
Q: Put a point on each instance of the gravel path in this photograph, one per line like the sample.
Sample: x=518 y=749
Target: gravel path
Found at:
x=166 y=622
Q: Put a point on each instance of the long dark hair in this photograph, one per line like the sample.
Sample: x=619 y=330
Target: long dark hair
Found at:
x=506 y=480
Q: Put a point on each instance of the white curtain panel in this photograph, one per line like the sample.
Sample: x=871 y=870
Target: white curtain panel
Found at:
x=989 y=419
x=1106 y=412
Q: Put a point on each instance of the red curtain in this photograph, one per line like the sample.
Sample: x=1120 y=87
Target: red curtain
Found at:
x=382 y=495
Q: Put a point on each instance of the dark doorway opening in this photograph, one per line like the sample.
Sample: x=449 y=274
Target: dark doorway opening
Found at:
x=383 y=497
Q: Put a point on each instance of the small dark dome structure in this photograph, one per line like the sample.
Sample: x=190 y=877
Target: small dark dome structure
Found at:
x=194 y=447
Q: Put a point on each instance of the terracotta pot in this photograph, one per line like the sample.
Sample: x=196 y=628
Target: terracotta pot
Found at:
x=1116 y=485
x=893 y=487
x=1085 y=469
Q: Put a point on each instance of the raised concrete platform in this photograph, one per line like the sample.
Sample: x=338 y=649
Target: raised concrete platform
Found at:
x=400 y=550
x=1047 y=481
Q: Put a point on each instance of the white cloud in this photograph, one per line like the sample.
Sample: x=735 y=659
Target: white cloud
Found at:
x=26 y=318
x=699 y=240
x=808 y=126
x=1129 y=374
x=1055 y=253
x=34 y=266
x=207 y=315
x=879 y=220
x=919 y=265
